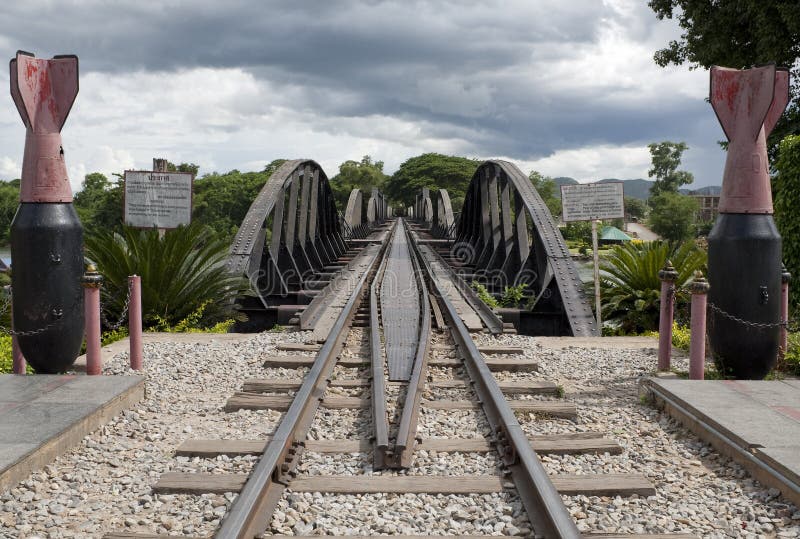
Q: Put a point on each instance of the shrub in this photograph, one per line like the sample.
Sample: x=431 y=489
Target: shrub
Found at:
x=681 y=336
x=513 y=295
x=193 y=323
x=787 y=192
x=181 y=271
x=791 y=358
x=484 y=295
x=630 y=286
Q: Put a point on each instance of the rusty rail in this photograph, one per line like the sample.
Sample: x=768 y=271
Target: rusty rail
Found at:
x=250 y=513
x=542 y=501
x=380 y=423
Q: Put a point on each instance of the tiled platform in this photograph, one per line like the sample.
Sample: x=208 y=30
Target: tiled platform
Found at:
x=42 y=416
x=755 y=422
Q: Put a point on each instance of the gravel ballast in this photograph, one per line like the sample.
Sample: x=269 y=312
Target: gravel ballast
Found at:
x=104 y=484
x=697 y=489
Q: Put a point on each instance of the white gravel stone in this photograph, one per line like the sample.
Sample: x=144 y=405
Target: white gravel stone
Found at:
x=697 y=489
x=104 y=484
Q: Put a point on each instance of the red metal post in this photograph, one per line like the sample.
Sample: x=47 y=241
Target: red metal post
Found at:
x=785 y=278
x=17 y=357
x=697 y=347
x=135 y=321
x=92 y=281
x=18 y=360
x=668 y=275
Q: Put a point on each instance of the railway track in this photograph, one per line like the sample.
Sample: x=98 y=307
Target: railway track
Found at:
x=400 y=360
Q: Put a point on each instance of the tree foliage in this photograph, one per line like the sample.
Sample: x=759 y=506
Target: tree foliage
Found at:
x=221 y=200
x=629 y=283
x=99 y=203
x=547 y=189
x=182 y=272
x=9 y=201
x=432 y=170
x=635 y=209
x=666 y=158
x=673 y=215
x=787 y=218
x=739 y=34
x=363 y=175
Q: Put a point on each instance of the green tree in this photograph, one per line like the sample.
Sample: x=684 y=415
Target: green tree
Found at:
x=363 y=175
x=666 y=158
x=578 y=231
x=787 y=192
x=435 y=171
x=673 y=216
x=182 y=272
x=629 y=283
x=739 y=34
x=274 y=165
x=547 y=189
x=221 y=200
x=183 y=167
x=9 y=201
x=99 y=203
x=635 y=209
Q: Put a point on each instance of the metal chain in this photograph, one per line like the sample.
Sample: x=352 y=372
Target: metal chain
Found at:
x=30 y=333
x=747 y=323
x=122 y=317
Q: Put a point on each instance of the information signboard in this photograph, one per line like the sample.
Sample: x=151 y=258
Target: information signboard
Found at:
x=590 y=201
x=158 y=199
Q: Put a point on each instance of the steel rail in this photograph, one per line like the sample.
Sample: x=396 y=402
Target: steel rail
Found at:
x=380 y=422
x=250 y=513
x=407 y=432
x=489 y=318
x=542 y=502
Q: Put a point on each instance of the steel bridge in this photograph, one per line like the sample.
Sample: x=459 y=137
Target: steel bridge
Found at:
x=296 y=248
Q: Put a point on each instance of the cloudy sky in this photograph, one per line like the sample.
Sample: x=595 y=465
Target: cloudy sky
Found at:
x=568 y=88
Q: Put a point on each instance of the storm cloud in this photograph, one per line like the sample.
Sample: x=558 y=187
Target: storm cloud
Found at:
x=549 y=84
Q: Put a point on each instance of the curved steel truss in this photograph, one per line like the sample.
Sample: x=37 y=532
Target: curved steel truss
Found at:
x=290 y=232
x=360 y=218
x=508 y=236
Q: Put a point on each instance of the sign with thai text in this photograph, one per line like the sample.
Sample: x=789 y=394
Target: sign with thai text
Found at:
x=158 y=199
x=589 y=201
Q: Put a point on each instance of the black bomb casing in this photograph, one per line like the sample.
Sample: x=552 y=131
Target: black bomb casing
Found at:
x=46 y=234
x=744 y=247
x=744 y=265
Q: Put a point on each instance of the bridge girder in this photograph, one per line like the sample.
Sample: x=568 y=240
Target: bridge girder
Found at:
x=506 y=232
x=360 y=217
x=290 y=232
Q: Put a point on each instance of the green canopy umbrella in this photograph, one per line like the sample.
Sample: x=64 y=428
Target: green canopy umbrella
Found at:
x=613 y=234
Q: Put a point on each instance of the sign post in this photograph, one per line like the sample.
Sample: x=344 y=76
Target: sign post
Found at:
x=592 y=202
x=596 y=257
x=158 y=199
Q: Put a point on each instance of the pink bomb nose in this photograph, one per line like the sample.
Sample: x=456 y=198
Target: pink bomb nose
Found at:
x=44 y=91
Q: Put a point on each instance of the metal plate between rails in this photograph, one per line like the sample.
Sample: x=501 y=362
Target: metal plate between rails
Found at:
x=400 y=309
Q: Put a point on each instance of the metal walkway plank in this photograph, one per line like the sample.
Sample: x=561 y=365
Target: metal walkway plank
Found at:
x=400 y=308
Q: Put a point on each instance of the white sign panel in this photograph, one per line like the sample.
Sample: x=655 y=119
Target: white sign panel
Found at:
x=158 y=199
x=589 y=201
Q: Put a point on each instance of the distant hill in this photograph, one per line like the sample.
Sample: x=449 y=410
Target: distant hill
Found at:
x=564 y=180
x=638 y=188
x=709 y=190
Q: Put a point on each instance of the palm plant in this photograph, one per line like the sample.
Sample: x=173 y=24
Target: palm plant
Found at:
x=182 y=272
x=630 y=286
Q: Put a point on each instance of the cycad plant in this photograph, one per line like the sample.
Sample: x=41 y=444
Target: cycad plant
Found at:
x=182 y=272
x=630 y=286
